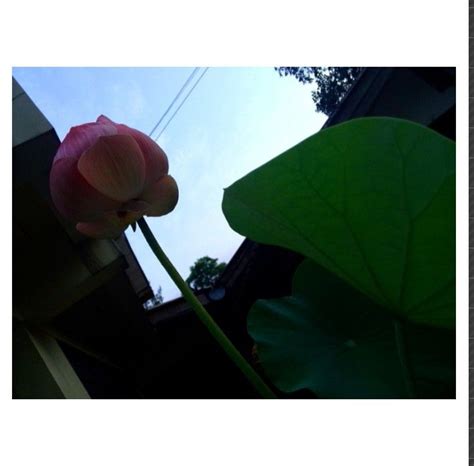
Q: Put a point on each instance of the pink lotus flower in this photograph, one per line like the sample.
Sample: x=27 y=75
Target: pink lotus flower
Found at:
x=106 y=176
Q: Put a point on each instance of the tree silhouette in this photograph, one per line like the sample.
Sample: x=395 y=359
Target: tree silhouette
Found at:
x=332 y=83
x=204 y=273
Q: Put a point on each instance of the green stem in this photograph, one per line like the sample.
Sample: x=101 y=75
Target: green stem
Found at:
x=207 y=320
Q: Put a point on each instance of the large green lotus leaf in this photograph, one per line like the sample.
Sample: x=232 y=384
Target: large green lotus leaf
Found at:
x=333 y=340
x=373 y=201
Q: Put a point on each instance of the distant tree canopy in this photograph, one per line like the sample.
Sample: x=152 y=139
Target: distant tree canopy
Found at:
x=332 y=83
x=204 y=273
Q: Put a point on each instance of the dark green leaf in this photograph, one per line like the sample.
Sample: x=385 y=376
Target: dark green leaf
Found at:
x=373 y=201
x=333 y=340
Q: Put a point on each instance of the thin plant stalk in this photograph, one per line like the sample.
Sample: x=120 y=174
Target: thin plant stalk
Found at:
x=204 y=316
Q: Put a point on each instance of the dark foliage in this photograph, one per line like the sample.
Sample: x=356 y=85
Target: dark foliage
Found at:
x=332 y=83
x=204 y=273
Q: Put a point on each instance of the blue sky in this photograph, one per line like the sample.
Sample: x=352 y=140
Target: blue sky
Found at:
x=235 y=120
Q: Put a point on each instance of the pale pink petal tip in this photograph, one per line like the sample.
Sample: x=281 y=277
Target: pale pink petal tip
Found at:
x=105 y=120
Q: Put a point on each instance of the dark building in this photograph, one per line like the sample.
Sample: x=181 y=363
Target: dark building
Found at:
x=72 y=296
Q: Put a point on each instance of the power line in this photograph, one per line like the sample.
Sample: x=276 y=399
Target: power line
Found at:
x=182 y=103
x=174 y=100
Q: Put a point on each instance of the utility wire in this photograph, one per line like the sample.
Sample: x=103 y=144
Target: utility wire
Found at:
x=182 y=103
x=174 y=100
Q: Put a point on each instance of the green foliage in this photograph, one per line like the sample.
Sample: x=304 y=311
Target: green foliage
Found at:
x=204 y=273
x=373 y=202
x=335 y=341
x=332 y=83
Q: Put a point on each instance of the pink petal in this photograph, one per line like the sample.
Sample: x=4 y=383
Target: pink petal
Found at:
x=99 y=229
x=102 y=119
x=80 y=138
x=135 y=205
x=114 y=165
x=73 y=196
x=162 y=195
x=110 y=225
x=155 y=158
